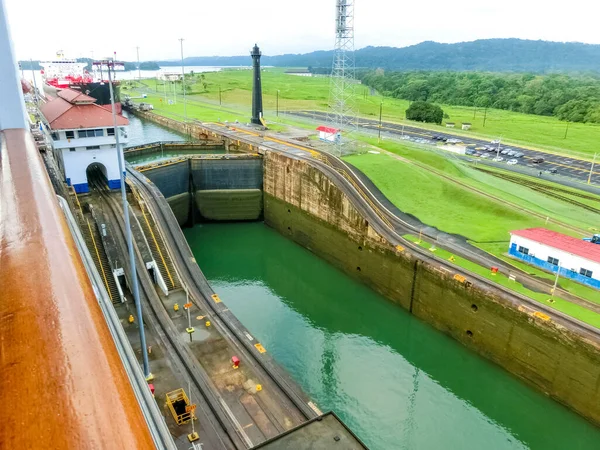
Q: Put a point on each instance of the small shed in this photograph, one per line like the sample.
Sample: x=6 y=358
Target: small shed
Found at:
x=466 y=126
x=449 y=124
x=329 y=134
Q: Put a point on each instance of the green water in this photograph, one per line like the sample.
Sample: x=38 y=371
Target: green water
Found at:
x=398 y=383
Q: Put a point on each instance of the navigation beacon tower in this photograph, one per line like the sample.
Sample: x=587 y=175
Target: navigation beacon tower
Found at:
x=257 y=106
x=342 y=107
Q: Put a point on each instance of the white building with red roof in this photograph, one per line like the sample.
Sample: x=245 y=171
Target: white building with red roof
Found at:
x=574 y=258
x=83 y=135
x=328 y=134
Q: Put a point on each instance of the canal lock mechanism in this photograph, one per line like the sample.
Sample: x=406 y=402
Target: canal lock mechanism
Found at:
x=239 y=396
x=308 y=201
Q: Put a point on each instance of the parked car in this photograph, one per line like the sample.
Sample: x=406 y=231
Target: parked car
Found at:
x=504 y=152
x=496 y=141
x=470 y=151
x=512 y=162
x=498 y=159
x=519 y=155
x=537 y=160
x=511 y=153
x=486 y=155
x=551 y=171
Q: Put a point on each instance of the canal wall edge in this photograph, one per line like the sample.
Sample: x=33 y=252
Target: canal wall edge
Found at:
x=302 y=203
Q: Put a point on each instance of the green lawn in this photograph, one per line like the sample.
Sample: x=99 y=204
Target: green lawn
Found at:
x=579 y=312
x=313 y=93
x=457 y=209
x=414 y=184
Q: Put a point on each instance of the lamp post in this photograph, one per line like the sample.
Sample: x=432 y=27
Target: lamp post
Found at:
x=591 y=169
x=556 y=280
x=138 y=58
x=183 y=81
x=380 y=112
x=277 y=102
x=498 y=148
x=134 y=278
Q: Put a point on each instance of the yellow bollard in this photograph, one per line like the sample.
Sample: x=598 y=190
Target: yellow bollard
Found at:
x=176 y=307
x=207 y=323
x=258 y=388
x=131 y=319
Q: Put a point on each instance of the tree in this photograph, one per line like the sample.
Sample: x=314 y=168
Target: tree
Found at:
x=425 y=112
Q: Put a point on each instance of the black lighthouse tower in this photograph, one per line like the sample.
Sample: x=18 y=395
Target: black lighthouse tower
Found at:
x=257 y=106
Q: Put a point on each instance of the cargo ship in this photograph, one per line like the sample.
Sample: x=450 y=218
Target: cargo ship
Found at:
x=63 y=73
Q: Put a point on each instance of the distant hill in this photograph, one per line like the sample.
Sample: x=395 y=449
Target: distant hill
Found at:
x=491 y=55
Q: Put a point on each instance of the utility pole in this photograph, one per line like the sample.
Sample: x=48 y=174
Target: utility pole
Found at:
x=277 y=103
x=484 y=116
x=138 y=57
x=220 y=103
x=183 y=81
x=134 y=278
x=35 y=91
x=592 y=170
x=566 y=130
x=380 y=112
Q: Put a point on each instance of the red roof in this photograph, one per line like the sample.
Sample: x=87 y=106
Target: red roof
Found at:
x=62 y=115
x=73 y=96
x=327 y=129
x=562 y=242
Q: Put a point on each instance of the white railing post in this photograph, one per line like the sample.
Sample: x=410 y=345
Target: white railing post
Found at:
x=12 y=107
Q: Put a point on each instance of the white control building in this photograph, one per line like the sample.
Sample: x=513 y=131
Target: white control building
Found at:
x=83 y=136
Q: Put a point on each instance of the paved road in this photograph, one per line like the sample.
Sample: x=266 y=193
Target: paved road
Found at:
x=565 y=166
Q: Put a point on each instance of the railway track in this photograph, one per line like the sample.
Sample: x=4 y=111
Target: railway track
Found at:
x=552 y=191
x=273 y=378
x=224 y=429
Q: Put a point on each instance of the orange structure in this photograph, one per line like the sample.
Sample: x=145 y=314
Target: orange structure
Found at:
x=63 y=383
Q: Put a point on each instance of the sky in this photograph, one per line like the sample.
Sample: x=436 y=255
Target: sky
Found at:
x=225 y=28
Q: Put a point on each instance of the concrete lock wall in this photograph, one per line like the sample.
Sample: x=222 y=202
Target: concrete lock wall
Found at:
x=223 y=189
x=302 y=203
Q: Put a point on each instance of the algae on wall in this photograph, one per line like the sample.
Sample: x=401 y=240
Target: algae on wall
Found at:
x=304 y=204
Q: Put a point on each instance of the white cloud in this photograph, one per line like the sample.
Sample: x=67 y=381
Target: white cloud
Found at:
x=39 y=28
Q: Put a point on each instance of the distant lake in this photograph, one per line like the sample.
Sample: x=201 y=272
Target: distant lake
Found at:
x=133 y=74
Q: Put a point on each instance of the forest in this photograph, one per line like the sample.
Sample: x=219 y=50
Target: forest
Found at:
x=570 y=98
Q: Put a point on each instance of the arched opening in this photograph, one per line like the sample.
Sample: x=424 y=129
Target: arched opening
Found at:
x=96 y=176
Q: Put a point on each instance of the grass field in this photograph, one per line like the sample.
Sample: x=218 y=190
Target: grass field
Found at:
x=579 y=312
x=313 y=93
x=440 y=201
x=458 y=199
x=440 y=191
